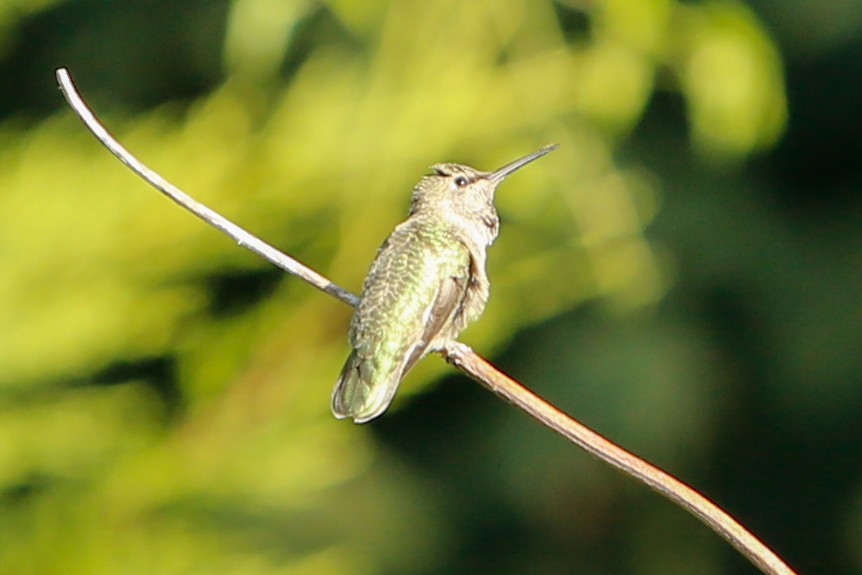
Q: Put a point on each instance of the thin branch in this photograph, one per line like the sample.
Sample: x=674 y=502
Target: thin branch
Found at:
x=211 y=217
x=464 y=359
x=461 y=356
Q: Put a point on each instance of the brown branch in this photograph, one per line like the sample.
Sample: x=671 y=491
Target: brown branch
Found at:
x=464 y=359
x=666 y=484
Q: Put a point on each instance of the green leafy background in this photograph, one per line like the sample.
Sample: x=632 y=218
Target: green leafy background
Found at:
x=682 y=275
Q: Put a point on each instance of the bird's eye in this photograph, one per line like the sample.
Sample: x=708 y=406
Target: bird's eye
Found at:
x=460 y=181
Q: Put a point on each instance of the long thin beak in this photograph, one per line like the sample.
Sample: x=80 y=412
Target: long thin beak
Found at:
x=497 y=175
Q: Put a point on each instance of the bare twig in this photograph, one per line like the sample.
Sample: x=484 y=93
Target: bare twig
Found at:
x=489 y=376
x=464 y=359
x=242 y=237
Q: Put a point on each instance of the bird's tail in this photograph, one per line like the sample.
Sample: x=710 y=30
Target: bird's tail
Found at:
x=361 y=393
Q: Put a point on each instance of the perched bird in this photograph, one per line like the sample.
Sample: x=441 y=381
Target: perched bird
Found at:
x=427 y=282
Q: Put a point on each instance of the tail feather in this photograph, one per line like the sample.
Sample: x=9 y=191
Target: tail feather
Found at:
x=360 y=393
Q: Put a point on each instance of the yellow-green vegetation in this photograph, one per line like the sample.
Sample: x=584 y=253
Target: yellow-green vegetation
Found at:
x=223 y=457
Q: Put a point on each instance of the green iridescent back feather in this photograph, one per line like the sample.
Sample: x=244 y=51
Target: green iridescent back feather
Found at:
x=414 y=291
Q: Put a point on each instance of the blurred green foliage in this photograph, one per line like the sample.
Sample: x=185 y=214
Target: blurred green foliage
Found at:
x=164 y=394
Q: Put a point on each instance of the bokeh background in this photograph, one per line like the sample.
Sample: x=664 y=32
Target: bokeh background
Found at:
x=683 y=275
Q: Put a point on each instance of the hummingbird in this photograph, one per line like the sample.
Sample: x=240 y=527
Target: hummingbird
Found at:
x=426 y=283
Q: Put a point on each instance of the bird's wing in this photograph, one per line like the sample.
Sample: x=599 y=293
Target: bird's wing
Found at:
x=438 y=317
x=382 y=355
